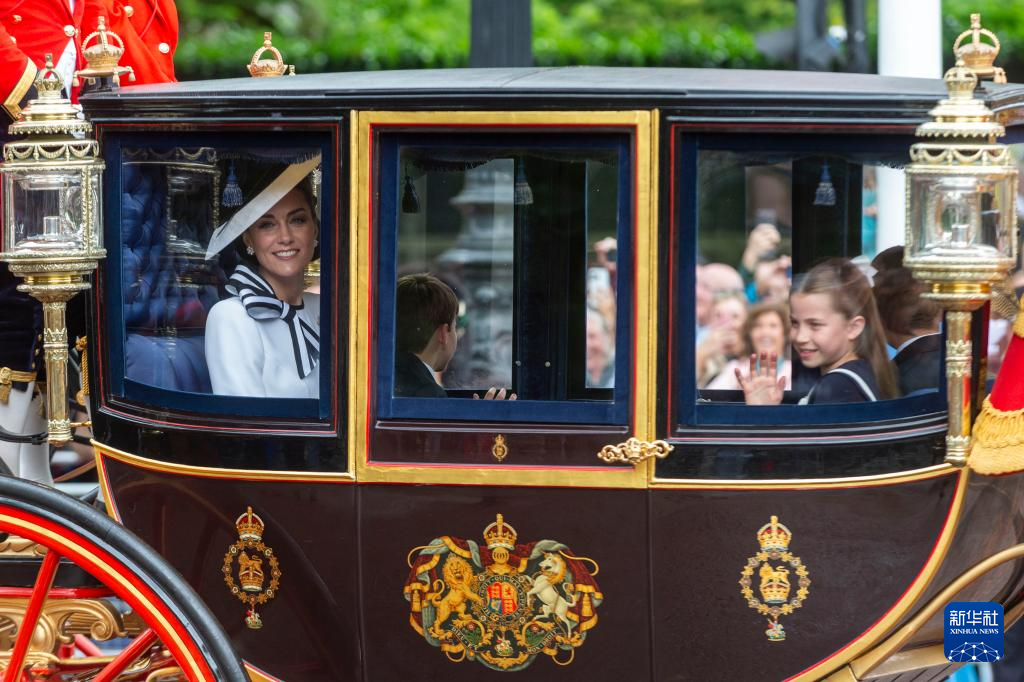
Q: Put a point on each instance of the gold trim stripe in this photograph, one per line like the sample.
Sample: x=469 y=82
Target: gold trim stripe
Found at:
x=13 y=102
x=354 y=285
x=257 y=675
x=646 y=262
x=877 y=631
x=108 y=498
x=935 y=471
x=102 y=450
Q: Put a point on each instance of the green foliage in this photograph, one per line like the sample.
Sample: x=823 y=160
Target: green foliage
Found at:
x=219 y=36
x=218 y=39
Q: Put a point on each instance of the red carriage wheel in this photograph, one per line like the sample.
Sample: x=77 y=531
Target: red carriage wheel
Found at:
x=175 y=636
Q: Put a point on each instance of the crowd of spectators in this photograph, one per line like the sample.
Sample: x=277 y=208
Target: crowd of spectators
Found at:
x=743 y=310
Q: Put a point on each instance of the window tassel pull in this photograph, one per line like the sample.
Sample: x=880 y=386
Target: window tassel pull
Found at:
x=825 y=195
x=232 y=195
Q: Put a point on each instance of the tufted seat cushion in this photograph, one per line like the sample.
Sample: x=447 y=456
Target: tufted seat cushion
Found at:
x=164 y=303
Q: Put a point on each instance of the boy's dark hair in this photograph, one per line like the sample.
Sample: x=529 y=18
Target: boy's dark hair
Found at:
x=890 y=259
x=423 y=303
x=900 y=304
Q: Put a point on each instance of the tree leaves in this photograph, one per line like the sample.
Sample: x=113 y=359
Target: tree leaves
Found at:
x=219 y=36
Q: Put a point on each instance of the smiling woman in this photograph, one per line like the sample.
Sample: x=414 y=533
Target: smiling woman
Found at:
x=264 y=340
x=216 y=245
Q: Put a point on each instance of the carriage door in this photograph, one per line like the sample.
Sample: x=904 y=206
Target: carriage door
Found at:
x=497 y=256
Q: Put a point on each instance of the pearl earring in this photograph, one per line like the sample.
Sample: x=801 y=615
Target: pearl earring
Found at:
x=315 y=243
x=249 y=250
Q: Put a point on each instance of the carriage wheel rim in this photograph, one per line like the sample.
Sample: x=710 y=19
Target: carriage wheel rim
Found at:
x=102 y=565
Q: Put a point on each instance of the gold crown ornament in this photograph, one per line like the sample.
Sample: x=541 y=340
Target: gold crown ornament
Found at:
x=250 y=526
x=102 y=56
x=260 y=67
x=979 y=57
x=774 y=537
x=500 y=534
x=250 y=572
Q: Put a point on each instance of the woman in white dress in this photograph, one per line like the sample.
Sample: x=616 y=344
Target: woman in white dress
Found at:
x=264 y=341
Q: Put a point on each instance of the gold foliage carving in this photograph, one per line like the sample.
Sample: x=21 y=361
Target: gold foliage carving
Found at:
x=634 y=451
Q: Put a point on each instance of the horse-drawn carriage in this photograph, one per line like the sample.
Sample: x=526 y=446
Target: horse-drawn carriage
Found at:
x=617 y=520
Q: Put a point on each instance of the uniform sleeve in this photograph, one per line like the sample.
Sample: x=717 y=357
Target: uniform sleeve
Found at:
x=149 y=30
x=17 y=74
x=234 y=351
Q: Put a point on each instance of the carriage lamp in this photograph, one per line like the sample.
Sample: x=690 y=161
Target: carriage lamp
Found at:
x=192 y=211
x=51 y=225
x=961 y=227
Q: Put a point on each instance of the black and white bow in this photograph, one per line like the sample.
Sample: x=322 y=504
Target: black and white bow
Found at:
x=259 y=300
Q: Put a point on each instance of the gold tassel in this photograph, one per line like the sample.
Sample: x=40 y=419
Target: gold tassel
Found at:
x=588 y=609
x=416 y=606
x=82 y=397
x=998 y=446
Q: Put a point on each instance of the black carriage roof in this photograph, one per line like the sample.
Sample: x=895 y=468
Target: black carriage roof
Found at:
x=701 y=93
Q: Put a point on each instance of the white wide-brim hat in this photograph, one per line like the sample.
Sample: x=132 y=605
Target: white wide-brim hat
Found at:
x=260 y=204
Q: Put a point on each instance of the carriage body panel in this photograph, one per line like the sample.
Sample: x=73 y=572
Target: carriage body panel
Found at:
x=361 y=491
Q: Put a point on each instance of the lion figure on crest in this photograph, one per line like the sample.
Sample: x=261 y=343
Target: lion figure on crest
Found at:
x=457 y=577
x=555 y=604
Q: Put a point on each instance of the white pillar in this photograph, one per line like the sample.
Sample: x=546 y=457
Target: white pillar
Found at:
x=909 y=44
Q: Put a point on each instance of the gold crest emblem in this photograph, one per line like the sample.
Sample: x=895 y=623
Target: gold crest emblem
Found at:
x=250 y=553
x=500 y=447
x=774 y=565
x=504 y=603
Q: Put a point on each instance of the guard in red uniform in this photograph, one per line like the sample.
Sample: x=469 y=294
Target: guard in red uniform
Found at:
x=29 y=30
x=149 y=29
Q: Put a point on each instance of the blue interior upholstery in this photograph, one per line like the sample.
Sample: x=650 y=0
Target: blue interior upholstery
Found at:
x=164 y=314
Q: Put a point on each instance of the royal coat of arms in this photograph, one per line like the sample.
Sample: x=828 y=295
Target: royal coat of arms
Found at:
x=774 y=564
x=505 y=603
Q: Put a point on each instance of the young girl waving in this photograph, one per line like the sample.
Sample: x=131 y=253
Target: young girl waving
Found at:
x=835 y=327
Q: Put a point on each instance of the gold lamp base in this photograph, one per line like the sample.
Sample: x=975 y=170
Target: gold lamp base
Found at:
x=53 y=290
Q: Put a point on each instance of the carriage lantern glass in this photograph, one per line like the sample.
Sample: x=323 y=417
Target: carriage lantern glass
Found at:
x=51 y=226
x=961 y=228
x=961 y=218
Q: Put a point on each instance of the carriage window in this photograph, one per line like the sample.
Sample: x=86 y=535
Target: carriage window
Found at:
x=217 y=299
x=799 y=282
x=507 y=290
x=793 y=246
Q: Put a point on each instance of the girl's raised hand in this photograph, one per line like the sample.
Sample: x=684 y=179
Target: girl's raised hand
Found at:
x=763 y=386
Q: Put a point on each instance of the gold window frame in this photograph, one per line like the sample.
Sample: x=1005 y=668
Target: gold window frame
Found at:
x=643 y=125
